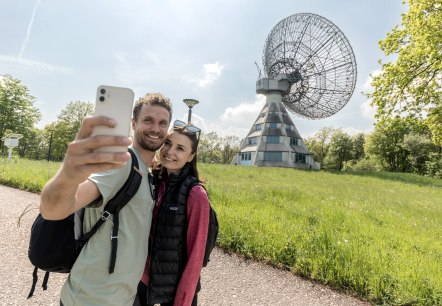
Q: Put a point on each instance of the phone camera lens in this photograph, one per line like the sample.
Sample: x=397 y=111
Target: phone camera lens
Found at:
x=101 y=98
x=102 y=91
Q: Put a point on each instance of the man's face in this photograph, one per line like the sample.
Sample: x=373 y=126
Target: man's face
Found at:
x=150 y=128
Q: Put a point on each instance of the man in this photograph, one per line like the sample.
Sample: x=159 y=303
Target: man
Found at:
x=86 y=176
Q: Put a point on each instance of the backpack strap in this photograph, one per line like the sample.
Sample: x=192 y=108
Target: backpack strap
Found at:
x=185 y=188
x=212 y=230
x=34 y=282
x=35 y=279
x=183 y=196
x=114 y=205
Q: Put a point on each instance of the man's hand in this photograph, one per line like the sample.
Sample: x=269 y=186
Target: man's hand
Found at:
x=81 y=160
x=69 y=190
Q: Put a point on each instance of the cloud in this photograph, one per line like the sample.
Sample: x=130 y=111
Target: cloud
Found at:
x=28 y=32
x=221 y=128
x=231 y=123
x=367 y=110
x=245 y=113
x=353 y=131
x=134 y=66
x=35 y=64
x=145 y=56
x=367 y=84
x=236 y=120
x=211 y=73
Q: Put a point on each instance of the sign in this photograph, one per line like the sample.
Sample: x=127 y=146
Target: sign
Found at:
x=11 y=142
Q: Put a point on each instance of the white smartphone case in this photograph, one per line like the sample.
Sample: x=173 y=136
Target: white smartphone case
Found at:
x=116 y=103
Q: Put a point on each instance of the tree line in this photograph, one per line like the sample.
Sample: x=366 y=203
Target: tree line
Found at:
x=400 y=144
x=397 y=146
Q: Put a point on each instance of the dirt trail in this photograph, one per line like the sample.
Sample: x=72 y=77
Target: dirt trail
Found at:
x=227 y=280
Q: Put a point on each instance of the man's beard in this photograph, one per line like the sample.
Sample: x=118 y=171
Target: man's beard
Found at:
x=145 y=145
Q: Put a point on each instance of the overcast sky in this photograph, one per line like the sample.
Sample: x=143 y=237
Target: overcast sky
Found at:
x=62 y=50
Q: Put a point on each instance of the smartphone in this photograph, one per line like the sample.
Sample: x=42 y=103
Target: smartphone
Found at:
x=115 y=103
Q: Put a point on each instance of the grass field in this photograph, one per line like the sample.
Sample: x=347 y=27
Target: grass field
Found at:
x=375 y=235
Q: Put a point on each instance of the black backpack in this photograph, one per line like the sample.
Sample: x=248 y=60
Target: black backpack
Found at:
x=55 y=245
x=212 y=233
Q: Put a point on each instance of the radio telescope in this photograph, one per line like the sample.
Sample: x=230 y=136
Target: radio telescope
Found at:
x=310 y=69
x=317 y=61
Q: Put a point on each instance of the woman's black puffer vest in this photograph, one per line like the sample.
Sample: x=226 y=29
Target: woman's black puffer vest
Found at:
x=168 y=255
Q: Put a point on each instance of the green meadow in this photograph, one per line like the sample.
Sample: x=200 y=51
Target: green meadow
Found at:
x=374 y=235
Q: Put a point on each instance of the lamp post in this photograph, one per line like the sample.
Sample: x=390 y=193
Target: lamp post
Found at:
x=50 y=145
x=190 y=103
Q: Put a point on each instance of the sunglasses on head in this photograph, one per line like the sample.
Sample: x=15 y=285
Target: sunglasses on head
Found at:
x=189 y=127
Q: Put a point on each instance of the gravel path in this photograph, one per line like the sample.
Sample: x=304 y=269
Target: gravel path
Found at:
x=227 y=280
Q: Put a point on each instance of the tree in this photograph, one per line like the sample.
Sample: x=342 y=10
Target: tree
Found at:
x=358 y=142
x=17 y=112
x=340 y=150
x=230 y=147
x=411 y=86
x=434 y=123
x=433 y=167
x=66 y=127
x=209 y=148
x=319 y=143
x=74 y=113
x=215 y=149
x=419 y=148
x=33 y=147
x=61 y=137
x=386 y=142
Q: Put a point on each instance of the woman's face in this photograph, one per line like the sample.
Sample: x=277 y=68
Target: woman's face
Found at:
x=176 y=152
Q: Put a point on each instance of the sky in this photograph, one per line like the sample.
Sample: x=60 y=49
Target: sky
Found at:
x=205 y=50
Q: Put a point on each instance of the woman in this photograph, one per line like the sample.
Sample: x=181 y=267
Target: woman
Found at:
x=179 y=232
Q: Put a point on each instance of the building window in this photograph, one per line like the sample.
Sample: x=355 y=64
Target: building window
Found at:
x=272 y=139
x=288 y=127
x=300 y=158
x=273 y=156
x=258 y=127
x=273 y=125
x=253 y=140
x=246 y=156
x=294 y=141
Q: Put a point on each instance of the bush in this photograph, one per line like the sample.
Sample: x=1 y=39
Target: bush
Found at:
x=366 y=164
x=433 y=167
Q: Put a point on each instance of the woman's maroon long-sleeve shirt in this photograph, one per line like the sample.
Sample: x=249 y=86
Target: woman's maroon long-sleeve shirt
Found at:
x=198 y=222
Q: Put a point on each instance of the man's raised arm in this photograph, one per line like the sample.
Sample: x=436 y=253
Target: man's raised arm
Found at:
x=69 y=190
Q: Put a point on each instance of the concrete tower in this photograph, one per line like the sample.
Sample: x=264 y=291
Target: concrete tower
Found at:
x=273 y=139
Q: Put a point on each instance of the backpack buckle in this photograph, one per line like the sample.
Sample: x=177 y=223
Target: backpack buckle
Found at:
x=105 y=215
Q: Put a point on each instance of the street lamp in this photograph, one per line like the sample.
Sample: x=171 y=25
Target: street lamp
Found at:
x=190 y=103
x=50 y=145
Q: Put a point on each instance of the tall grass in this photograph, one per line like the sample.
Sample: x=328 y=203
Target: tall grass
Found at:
x=26 y=174
x=378 y=236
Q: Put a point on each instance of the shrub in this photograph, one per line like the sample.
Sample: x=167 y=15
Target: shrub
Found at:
x=433 y=167
x=366 y=164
